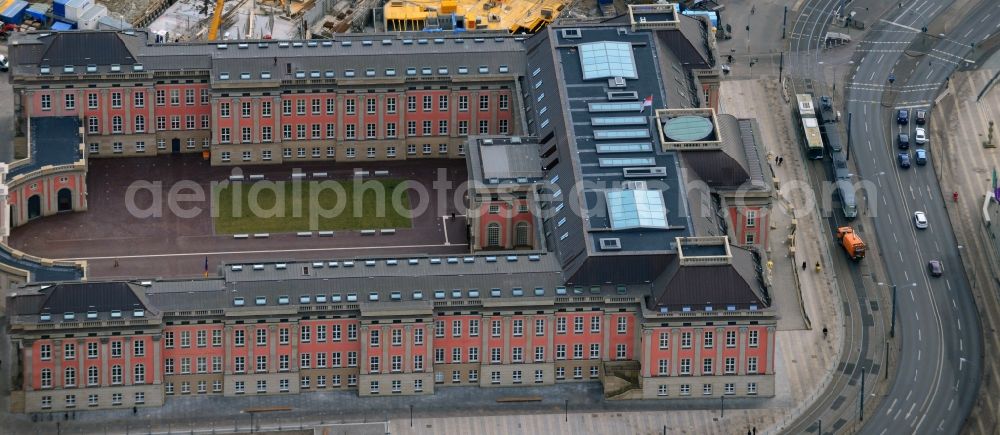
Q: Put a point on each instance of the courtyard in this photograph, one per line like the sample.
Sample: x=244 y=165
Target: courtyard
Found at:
x=146 y=218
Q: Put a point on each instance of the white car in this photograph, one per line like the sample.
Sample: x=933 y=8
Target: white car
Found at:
x=919 y=219
x=920 y=136
x=4 y=65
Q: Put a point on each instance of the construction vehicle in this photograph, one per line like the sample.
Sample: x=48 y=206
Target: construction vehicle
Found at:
x=213 y=29
x=851 y=242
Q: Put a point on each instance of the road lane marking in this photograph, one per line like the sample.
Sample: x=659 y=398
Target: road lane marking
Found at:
x=873 y=76
x=880 y=58
x=948 y=283
x=907 y=399
x=919 y=422
x=953 y=301
x=912 y=29
x=894 y=238
x=950 y=404
x=959 y=321
x=910 y=412
x=915 y=314
x=866 y=130
x=961 y=347
x=911 y=295
x=920 y=335
x=900 y=255
x=918 y=354
x=889 y=411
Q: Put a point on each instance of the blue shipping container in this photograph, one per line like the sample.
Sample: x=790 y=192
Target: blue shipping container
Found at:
x=37 y=11
x=59 y=8
x=59 y=26
x=14 y=14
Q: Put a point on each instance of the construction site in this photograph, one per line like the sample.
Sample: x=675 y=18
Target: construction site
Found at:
x=190 y=20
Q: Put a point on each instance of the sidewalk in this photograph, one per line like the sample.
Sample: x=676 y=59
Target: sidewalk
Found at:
x=804 y=359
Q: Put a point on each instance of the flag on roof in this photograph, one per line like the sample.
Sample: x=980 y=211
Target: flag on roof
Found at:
x=648 y=102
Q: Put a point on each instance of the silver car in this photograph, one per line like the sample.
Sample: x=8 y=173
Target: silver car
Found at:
x=920 y=136
x=920 y=219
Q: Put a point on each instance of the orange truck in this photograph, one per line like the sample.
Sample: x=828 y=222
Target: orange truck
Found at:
x=851 y=242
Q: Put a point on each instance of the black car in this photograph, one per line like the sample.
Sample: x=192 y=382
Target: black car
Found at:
x=904 y=141
x=935 y=268
x=903 y=116
x=904 y=160
x=920 y=117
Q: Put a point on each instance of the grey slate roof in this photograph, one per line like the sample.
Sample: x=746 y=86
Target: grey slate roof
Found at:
x=85 y=48
x=363 y=51
x=719 y=286
x=559 y=106
x=55 y=140
x=501 y=159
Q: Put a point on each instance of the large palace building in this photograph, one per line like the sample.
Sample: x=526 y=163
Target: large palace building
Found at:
x=617 y=222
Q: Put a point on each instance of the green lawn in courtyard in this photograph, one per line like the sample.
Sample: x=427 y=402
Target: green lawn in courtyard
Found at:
x=281 y=208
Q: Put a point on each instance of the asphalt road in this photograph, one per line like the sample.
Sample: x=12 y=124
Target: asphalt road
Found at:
x=940 y=367
x=938 y=364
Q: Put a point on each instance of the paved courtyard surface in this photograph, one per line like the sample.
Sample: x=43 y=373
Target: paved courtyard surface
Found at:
x=174 y=246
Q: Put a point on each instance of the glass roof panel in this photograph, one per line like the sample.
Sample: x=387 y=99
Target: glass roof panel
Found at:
x=641 y=208
x=607 y=59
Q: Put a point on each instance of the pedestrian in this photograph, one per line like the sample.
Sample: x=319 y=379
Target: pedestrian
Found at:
x=776 y=158
x=803 y=265
x=752 y=9
x=116 y=262
x=135 y=410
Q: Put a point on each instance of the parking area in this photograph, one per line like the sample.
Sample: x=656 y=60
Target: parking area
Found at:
x=118 y=241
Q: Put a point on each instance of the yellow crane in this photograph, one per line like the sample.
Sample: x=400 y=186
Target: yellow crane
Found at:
x=213 y=29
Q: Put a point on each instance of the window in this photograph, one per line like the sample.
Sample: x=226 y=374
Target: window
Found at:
x=305 y=360
x=286 y=132
x=706 y=366
x=730 y=338
x=349 y=106
x=411 y=149
x=261 y=363
x=331 y=131
x=202 y=364
x=595 y=324
x=116 y=147
x=411 y=128
x=595 y=351
x=92 y=125
x=204 y=96
x=685 y=366
x=661 y=390
x=560 y=372
x=226 y=156
x=518 y=327
x=709 y=339
x=175 y=122
x=116 y=100
x=175 y=97
x=517 y=354
x=300 y=107
x=140 y=374
x=116 y=349
x=439 y=328
x=265 y=109
x=46 y=102
x=116 y=375
x=300 y=131
x=390 y=151
x=189 y=97
x=418 y=363
x=426 y=128
x=427 y=103
x=70 y=400
x=349 y=132
x=185 y=365
x=139 y=348
x=560 y=325
x=370 y=130
x=504 y=127
x=686 y=340
x=240 y=364
x=261 y=386
x=577 y=351
x=484 y=103
x=753 y=339
x=621 y=351
x=224 y=135
x=484 y=127
x=373 y=387
x=560 y=351
x=577 y=372
x=390 y=105
x=352 y=332
x=286 y=107
x=578 y=324
x=224 y=110
x=46 y=378
x=503 y=103
x=752 y=365
x=438 y=356
x=370 y=105
x=352 y=359
x=664 y=340
x=161 y=97
x=116 y=124
x=493 y=234
x=138 y=98
x=265 y=135
x=335 y=359
x=443 y=148
x=245 y=135
x=752 y=388
x=443 y=127
x=539 y=326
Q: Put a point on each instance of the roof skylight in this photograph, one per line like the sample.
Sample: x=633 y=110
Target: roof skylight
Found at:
x=640 y=208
